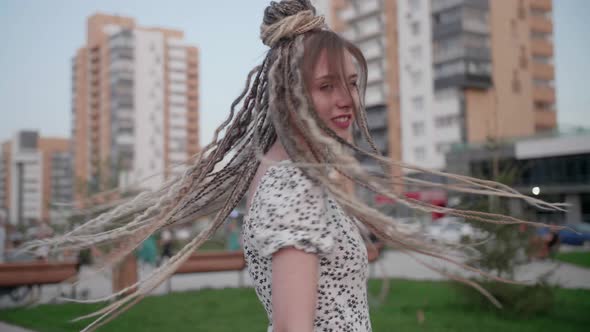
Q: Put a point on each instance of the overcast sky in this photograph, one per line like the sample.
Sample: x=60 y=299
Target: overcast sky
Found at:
x=39 y=39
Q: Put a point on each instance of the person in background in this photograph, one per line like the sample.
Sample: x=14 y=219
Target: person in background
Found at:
x=166 y=246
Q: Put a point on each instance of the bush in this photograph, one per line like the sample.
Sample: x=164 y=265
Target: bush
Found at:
x=508 y=247
x=517 y=300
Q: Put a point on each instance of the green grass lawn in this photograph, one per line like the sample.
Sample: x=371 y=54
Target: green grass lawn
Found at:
x=211 y=246
x=578 y=258
x=239 y=310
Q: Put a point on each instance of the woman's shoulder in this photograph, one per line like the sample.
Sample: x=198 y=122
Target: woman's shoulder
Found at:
x=287 y=177
x=288 y=210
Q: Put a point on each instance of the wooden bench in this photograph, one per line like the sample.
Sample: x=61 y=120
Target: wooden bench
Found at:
x=18 y=280
x=35 y=273
x=234 y=261
x=221 y=261
x=213 y=262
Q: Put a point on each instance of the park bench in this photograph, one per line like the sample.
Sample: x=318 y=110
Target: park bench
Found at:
x=17 y=279
x=231 y=261
x=222 y=261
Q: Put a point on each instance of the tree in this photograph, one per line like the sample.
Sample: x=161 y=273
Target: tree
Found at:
x=505 y=248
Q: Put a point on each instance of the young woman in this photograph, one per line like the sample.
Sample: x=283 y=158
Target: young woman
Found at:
x=287 y=152
x=306 y=256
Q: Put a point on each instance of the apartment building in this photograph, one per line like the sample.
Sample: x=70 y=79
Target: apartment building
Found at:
x=135 y=105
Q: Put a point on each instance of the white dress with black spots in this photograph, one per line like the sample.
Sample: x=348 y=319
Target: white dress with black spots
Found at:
x=289 y=210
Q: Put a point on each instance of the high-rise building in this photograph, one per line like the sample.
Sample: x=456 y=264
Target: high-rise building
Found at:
x=35 y=177
x=443 y=72
x=135 y=110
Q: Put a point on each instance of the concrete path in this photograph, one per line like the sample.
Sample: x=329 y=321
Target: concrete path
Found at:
x=11 y=328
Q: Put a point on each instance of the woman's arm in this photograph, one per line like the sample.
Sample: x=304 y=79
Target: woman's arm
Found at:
x=294 y=290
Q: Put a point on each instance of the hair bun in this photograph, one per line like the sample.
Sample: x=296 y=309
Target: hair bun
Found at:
x=277 y=11
x=288 y=18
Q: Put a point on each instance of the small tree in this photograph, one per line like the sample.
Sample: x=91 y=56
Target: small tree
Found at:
x=504 y=248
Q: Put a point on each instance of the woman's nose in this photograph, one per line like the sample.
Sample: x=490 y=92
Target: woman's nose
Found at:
x=343 y=97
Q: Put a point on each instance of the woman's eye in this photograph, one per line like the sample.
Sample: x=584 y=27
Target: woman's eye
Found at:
x=326 y=87
x=354 y=83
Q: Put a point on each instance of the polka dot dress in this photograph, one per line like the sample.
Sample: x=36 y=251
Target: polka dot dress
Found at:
x=289 y=210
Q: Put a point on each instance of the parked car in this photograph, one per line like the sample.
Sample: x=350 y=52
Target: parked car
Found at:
x=408 y=225
x=450 y=230
x=573 y=234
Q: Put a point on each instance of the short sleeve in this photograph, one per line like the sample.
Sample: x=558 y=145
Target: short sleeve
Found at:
x=290 y=212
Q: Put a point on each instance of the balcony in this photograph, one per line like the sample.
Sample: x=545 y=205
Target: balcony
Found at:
x=193 y=105
x=372 y=51
x=544 y=94
x=349 y=34
x=450 y=54
x=545 y=119
x=439 y=5
x=348 y=14
x=191 y=94
x=542 y=47
x=375 y=75
x=369 y=30
x=545 y=5
x=192 y=71
x=541 y=24
x=368 y=7
x=543 y=71
x=192 y=62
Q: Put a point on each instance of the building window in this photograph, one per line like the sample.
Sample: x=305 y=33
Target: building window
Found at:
x=542 y=59
x=514 y=28
x=420 y=153
x=515 y=82
x=449 y=69
x=369 y=26
x=542 y=82
x=544 y=106
x=418 y=103
x=523 y=59
x=540 y=35
x=538 y=12
x=521 y=10
x=418 y=128
x=443 y=147
x=479 y=68
x=448 y=16
x=416 y=52
x=415 y=27
x=416 y=77
x=445 y=121
x=448 y=49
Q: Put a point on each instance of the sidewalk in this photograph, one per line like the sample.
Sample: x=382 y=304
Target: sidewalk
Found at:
x=11 y=328
x=395 y=264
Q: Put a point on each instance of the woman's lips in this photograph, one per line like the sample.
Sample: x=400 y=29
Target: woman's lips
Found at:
x=342 y=122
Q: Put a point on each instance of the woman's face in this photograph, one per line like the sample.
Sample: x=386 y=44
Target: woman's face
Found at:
x=333 y=100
